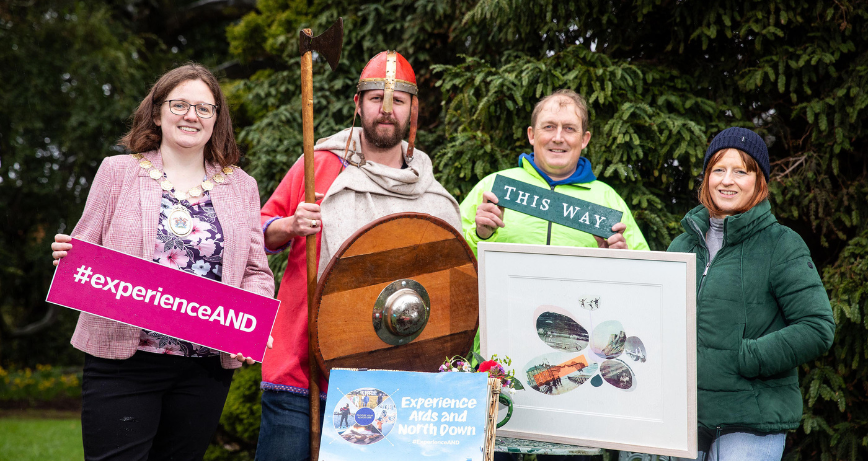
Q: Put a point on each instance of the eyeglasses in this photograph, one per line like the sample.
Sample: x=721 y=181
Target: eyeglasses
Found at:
x=203 y=110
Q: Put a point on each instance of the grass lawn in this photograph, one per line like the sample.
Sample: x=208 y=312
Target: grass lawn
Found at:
x=40 y=435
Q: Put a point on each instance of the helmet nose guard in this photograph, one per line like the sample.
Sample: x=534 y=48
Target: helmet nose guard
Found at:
x=390 y=72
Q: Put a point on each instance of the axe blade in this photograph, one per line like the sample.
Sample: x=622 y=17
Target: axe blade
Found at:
x=328 y=44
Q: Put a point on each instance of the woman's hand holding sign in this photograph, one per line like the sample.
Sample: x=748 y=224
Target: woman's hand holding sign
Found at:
x=249 y=360
x=60 y=246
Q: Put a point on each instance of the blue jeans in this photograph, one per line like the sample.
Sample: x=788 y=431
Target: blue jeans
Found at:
x=500 y=456
x=284 y=434
x=739 y=446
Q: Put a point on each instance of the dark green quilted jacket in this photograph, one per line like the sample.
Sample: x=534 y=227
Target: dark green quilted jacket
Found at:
x=761 y=311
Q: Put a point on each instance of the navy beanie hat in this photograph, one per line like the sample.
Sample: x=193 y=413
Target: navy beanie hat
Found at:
x=744 y=140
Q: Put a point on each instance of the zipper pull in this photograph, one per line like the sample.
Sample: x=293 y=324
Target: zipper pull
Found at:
x=706 y=270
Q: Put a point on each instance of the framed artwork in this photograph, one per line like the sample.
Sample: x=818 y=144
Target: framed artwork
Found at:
x=603 y=341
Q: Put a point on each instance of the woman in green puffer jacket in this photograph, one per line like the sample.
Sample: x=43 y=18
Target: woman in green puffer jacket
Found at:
x=761 y=309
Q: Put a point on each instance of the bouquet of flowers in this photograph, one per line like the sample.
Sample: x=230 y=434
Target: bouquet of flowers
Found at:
x=496 y=368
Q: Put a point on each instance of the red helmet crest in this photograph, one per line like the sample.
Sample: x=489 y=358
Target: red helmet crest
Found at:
x=390 y=72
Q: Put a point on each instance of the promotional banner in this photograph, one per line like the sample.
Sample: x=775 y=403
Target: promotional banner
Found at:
x=380 y=415
x=555 y=207
x=148 y=295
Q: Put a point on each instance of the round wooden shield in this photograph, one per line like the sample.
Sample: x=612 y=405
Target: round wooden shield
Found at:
x=417 y=249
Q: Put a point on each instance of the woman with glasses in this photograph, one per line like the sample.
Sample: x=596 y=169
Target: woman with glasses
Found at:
x=761 y=308
x=180 y=201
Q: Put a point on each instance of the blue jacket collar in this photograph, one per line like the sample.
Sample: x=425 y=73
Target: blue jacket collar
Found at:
x=582 y=175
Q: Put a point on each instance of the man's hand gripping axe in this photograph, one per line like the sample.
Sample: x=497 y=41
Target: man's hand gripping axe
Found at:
x=327 y=45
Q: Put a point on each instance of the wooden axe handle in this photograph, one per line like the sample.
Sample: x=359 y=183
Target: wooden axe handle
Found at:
x=310 y=197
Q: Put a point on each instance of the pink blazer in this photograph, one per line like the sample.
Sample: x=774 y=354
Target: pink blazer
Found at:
x=121 y=213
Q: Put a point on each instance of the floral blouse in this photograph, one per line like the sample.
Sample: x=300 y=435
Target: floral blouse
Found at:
x=200 y=253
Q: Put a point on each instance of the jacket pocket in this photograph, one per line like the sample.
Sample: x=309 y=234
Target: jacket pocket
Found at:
x=779 y=402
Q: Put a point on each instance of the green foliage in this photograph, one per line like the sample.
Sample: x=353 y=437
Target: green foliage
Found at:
x=45 y=383
x=241 y=413
x=263 y=34
x=72 y=77
x=218 y=453
x=839 y=384
x=239 y=423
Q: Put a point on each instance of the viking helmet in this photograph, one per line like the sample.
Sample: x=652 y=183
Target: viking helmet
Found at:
x=390 y=72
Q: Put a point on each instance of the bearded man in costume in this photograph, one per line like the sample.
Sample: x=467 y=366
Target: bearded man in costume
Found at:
x=362 y=174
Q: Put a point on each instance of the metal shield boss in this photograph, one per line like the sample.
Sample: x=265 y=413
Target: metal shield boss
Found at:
x=400 y=294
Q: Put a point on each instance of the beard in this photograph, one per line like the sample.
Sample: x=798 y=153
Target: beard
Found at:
x=384 y=140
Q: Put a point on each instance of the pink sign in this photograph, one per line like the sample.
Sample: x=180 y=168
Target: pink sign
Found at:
x=142 y=293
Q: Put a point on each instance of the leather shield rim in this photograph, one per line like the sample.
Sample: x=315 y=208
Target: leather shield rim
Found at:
x=321 y=284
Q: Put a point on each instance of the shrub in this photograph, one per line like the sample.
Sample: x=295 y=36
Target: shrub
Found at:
x=45 y=383
x=239 y=425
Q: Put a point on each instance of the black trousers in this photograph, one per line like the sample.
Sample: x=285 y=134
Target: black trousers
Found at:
x=151 y=406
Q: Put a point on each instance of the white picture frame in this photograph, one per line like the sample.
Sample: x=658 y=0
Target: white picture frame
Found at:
x=535 y=300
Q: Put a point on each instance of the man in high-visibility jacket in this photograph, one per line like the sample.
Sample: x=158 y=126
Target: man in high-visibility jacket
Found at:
x=558 y=133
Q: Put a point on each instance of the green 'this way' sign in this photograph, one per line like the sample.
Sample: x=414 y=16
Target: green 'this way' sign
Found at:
x=555 y=207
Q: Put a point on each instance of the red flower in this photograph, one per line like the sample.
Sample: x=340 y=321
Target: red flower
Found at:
x=487 y=365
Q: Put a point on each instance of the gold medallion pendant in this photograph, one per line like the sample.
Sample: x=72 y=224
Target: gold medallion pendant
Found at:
x=180 y=221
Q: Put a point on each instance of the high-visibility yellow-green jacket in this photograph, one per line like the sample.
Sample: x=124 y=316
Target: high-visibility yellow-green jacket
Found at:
x=522 y=228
